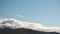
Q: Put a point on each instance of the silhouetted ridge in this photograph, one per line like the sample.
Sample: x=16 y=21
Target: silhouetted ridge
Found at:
x=23 y=31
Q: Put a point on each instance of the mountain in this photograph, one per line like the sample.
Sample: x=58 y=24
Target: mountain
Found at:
x=23 y=31
x=14 y=23
x=13 y=26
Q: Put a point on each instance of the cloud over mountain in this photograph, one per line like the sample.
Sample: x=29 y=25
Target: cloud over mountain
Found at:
x=13 y=23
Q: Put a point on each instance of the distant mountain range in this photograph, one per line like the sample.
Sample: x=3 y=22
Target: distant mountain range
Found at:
x=23 y=31
x=13 y=26
x=14 y=23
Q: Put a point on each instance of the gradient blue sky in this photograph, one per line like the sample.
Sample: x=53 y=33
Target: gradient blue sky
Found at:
x=46 y=12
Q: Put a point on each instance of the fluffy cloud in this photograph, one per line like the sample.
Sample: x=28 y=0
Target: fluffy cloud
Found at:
x=13 y=23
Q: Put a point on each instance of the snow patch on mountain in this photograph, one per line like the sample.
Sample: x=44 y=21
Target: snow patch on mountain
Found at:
x=13 y=23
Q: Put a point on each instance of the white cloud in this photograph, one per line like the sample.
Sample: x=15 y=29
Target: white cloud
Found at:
x=21 y=16
x=13 y=23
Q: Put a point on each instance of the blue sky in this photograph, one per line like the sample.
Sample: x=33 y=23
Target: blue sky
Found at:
x=46 y=12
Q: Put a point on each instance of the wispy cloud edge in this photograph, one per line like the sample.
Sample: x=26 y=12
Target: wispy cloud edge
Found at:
x=21 y=16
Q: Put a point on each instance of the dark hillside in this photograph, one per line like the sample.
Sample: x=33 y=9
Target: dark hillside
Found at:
x=23 y=31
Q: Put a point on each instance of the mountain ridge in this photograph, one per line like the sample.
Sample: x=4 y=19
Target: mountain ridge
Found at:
x=14 y=24
x=23 y=31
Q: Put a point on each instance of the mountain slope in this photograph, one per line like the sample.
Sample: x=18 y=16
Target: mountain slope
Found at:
x=23 y=31
x=14 y=23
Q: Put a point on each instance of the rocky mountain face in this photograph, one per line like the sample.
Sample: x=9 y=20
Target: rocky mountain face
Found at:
x=23 y=31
